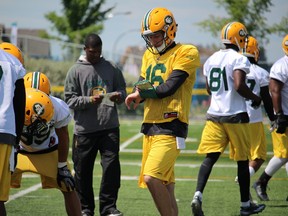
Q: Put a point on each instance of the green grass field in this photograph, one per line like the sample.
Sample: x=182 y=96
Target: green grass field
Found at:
x=221 y=195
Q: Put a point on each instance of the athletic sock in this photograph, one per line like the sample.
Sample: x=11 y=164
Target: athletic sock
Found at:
x=205 y=170
x=251 y=171
x=244 y=180
x=274 y=165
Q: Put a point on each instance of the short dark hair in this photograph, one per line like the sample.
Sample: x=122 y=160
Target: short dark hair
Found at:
x=93 y=40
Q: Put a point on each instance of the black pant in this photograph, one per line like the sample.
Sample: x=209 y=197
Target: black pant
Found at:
x=84 y=152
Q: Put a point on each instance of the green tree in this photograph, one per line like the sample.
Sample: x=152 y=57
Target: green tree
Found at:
x=252 y=13
x=80 y=18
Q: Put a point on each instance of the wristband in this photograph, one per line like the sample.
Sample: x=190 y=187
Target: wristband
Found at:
x=149 y=93
x=62 y=164
x=147 y=90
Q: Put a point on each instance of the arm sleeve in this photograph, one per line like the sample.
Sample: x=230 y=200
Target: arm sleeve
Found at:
x=174 y=81
x=19 y=103
x=267 y=102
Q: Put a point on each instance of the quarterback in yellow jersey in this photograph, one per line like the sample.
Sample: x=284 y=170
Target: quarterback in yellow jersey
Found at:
x=165 y=85
x=177 y=105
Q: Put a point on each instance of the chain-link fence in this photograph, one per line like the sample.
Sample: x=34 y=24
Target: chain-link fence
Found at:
x=54 y=58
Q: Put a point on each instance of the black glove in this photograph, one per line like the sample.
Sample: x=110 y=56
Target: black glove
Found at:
x=281 y=123
x=255 y=104
x=64 y=178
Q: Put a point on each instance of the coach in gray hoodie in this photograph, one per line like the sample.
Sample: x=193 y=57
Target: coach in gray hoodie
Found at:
x=93 y=89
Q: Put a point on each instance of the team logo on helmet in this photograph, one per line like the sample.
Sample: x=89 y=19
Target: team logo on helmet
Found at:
x=38 y=108
x=168 y=20
x=242 y=33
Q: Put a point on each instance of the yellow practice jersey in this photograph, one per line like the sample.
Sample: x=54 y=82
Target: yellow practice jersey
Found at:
x=157 y=69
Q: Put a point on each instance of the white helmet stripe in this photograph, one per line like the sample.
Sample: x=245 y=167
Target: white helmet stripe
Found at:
x=227 y=29
x=35 y=80
x=146 y=20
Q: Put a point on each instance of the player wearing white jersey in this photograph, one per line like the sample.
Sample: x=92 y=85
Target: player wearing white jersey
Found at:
x=12 y=108
x=227 y=118
x=45 y=141
x=279 y=91
x=258 y=81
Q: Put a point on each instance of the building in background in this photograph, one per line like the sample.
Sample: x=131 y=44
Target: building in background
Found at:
x=29 y=41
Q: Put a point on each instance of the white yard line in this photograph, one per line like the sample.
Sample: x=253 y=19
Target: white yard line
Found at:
x=129 y=141
x=122 y=148
x=24 y=192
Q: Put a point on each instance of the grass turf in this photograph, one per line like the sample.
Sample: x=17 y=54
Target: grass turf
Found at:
x=221 y=195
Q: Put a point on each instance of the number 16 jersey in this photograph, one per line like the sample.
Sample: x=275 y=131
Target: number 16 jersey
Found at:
x=219 y=69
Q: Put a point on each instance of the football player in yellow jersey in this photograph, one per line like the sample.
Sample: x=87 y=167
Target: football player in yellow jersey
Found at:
x=165 y=85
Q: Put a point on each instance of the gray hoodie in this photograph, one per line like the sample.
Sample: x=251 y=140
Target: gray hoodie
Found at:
x=82 y=80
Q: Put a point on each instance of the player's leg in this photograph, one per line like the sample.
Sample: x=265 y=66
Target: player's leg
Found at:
x=159 y=172
x=213 y=143
x=260 y=185
x=280 y=149
x=161 y=196
x=72 y=203
x=171 y=189
x=240 y=140
x=5 y=176
x=46 y=166
x=258 y=147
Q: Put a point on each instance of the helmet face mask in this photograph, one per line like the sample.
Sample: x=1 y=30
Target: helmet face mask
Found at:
x=159 y=20
x=234 y=33
x=251 y=48
x=158 y=46
x=37 y=80
x=38 y=127
x=285 y=45
x=13 y=50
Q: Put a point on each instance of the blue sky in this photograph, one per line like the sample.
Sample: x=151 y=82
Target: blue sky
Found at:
x=124 y=30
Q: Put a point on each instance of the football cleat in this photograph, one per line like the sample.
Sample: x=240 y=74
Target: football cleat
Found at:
x=261 y=191
x=115 y=212
x=196 y=206
x=252 y=209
